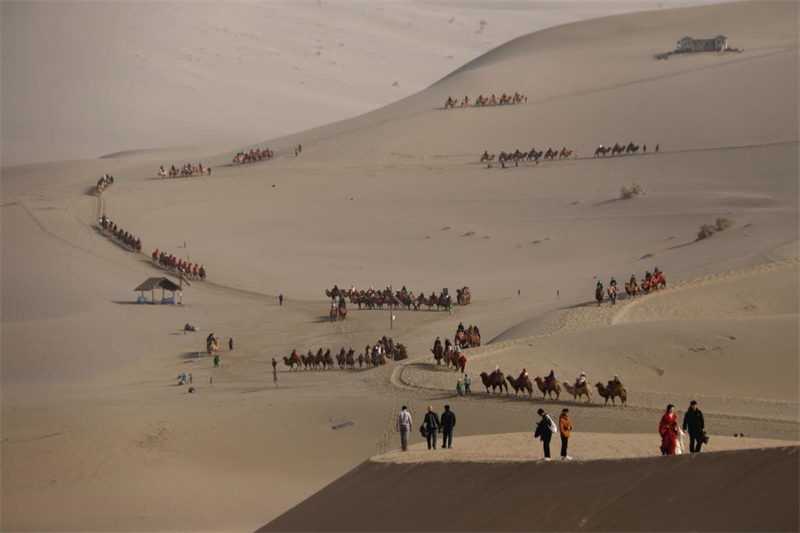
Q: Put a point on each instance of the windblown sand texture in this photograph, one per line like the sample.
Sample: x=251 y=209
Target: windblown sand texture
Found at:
x=96 y=435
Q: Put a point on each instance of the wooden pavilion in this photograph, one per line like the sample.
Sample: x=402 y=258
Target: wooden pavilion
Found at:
x=151 y=284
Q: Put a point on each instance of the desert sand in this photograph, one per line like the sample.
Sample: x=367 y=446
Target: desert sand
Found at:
x=96 y=430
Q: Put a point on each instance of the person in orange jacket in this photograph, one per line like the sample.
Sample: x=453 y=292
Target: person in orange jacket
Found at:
x=565 y=427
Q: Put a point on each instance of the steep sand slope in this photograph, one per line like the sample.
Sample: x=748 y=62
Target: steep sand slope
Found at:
x=634 y=495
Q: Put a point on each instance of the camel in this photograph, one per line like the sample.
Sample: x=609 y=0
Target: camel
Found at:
x=350 y=361
x=487 y=157
x=564 y=154
x=334 y=314
x=342 y=312
x=550 y=154
x=602 y=151
x=612 y=294
x=609 y=393
x=473 y=338
x=212 y=346
x=617 y=149
x=341 y=358
x=449 y=103
x=466 y=102
x=400 y=353
x=632 y=148
x=438 y=353
x=548 y=387
x=631 y=288
x=495 y=381
x=579 y=390
x=461 y=339
x=521 y=384
x=293 y=360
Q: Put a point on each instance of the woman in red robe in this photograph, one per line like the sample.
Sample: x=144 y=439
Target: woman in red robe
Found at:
x=668 y=429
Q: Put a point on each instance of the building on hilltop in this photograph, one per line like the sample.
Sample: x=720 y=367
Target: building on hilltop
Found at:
x=689 y=45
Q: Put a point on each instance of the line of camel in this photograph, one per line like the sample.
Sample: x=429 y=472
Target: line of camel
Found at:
x=482 y=101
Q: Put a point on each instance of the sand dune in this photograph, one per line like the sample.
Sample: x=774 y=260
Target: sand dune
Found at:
x=634 y=495
x=95 y=429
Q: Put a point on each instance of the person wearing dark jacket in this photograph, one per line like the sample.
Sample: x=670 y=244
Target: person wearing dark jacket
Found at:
x=448 y=423
x=432 y=425
x=693 y=420
x=544 y=430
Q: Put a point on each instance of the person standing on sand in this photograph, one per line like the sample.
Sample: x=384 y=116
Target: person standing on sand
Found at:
x=467 y=383
x=668 y=429
x=458 y=388
x=693 y=420
x=545 y=430
x=565 y=425
x=448 y=423
x=280 y=299
x=403 y=425
x=432 y=425
x=230 y=344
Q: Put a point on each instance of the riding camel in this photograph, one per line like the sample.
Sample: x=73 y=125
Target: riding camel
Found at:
x=350 y=360
x=564 y=154
x=495 y=381
x=334 y=314
x=617 y=149
x=548 y=387
x=612 y=294
x=461 y=339
x=341 y=358
x=449 y=103
x=522 y=384
x=292 y=360
x=632 y=148
x=579 y=390
x=631 y=288
x=473 y=338
x=438 y=353
x=212 y=346
x=602 y=151
x=400 y=352
x=486 y=157
x=610 y=392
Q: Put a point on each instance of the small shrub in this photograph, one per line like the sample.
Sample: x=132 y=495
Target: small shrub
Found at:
x=626 y=193
x=707 y=230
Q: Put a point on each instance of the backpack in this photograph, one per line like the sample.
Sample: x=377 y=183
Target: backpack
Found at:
x=423 y=431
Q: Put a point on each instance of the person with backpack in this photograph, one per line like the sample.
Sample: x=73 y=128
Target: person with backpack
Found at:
x=544 y=431
x=431 y=425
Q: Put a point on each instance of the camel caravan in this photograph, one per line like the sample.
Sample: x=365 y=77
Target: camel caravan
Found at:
x=620 y=149
x=105 y=181
x=651 y=282
x=122 y=236
x=402 y=299
x=483 y=101
x=188 y=269
x=549 y=386
x=518 y=156
x=185 y=171
x=371 y=357
x=253 y=156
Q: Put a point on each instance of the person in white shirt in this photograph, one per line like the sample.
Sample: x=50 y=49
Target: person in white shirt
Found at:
x=403 y=424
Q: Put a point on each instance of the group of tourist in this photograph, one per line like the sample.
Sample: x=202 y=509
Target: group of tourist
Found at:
x=188 y=269
x=185 y=171
x=252 y=156
x=481 y=101
x=105 y=181
x=134 y=243
x=621 y=149
x=669 y=430
x=652 y=281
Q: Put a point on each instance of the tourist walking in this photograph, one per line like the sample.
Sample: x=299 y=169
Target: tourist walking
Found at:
x=565 y=425
x=448 y=423
x=403 y=425
x=432 y=425
x=216 y=361
x=280 y=299
x=459 y=390
x=545 y=430
x=693 y=420
x=467 y=383
x=230 y=344
x=668 y=429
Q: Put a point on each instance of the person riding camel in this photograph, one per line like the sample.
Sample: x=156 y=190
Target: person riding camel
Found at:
x=613 y=282
x=581 y=380
x=496 y=370
x=648 y=276
x=614 y=383
x=447 y=344
x=551 y=378
x=460 y=326
x=522 y=375
x=342 y=302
